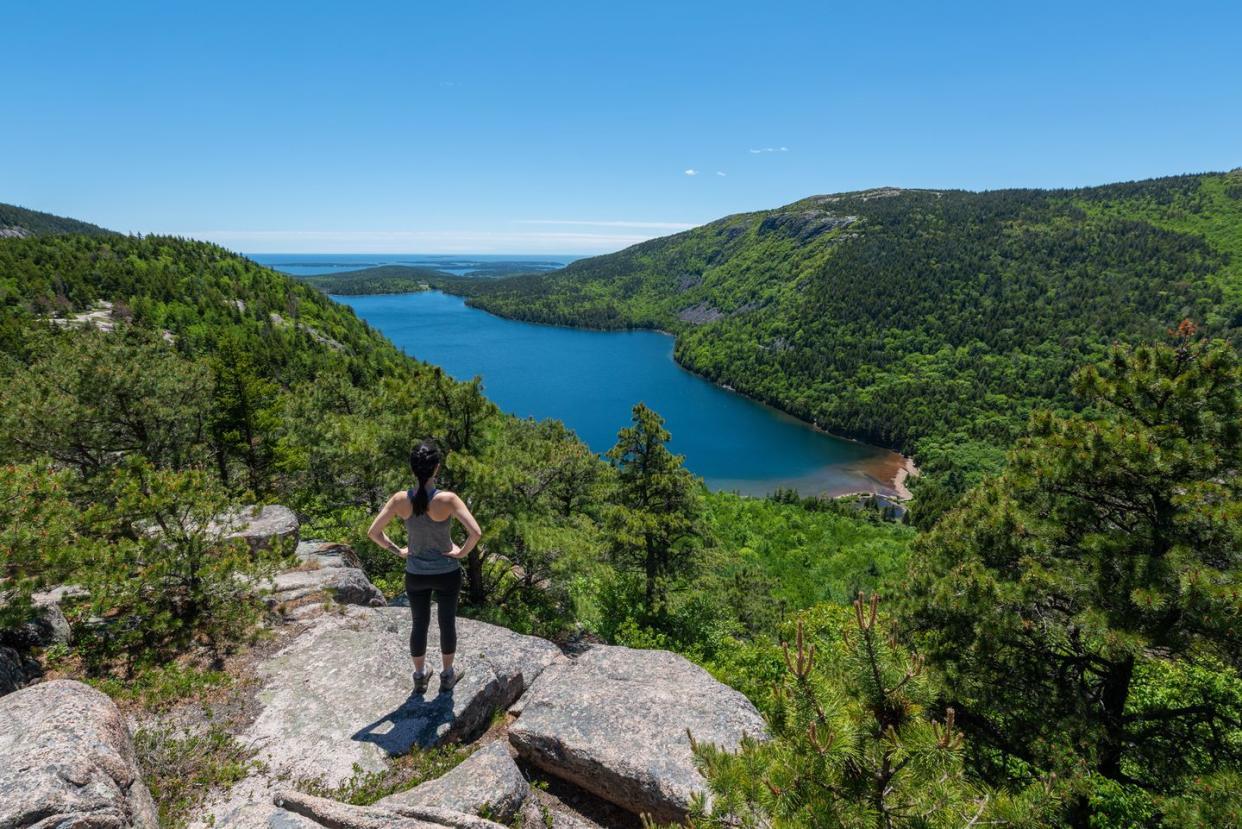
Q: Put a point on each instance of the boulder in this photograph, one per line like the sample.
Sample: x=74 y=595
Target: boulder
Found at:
x=345 y=585
x=260 y=527
x=60 y=593
x=487 y=781
x=16 y=670
x=326 y=554
x=46 y=623
x=614 y=721
x=48 y=626
x=338 y=698
x=68 y=760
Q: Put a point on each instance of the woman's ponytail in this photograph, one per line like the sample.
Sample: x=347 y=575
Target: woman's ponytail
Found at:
x=423 y=462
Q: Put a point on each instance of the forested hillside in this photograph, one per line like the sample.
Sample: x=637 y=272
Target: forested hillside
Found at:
x=929 y=321
x=19 y=222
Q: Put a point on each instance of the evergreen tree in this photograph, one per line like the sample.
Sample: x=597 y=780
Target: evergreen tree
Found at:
x=244 y=415
x=655 y=522
x=88 y=399
x=161 y=570
x=852 y=744
x=1084 y=605
x=37 y=536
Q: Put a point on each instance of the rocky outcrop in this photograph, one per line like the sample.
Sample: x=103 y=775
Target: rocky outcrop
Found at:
x=339 y=698
x=614 y=721
x=686 y=281
x=45 y=625
x=700 y=314
x=488 y=781
x=17 y=669
x=804 y=225
x=327 y=571
x=49 y=625
x=260 y=527
x=340 y=693
x=326 y=554
x=344 y=585
x=68 y=761
x=59 y=594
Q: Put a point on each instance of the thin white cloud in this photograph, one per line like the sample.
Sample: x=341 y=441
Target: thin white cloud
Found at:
x=584 y=222
x=757 y=151
x=721 y=173
x=692 y=172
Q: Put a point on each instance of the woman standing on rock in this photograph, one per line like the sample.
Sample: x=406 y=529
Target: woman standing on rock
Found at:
x=431 y=559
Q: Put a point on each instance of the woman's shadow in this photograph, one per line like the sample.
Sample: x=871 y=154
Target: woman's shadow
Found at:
x=416 y=722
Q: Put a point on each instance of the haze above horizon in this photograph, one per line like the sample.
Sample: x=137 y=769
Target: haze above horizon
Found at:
x=572 y=129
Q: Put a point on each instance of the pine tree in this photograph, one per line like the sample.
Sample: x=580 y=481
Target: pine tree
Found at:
x=1085 y=604
x=852 y=745
x=244 y=418
x=37 y=536
x=656 y=519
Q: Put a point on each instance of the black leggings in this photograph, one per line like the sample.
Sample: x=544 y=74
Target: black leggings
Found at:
x=419 y=589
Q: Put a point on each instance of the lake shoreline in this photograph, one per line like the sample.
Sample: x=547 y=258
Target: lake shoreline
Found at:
x=895 y=486
x=883 y=474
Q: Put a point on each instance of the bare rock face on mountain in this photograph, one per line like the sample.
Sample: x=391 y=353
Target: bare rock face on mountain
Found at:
x=804 y=225
x=488 y=781
x=614 y=720
x=66 y=759
x=340 y=695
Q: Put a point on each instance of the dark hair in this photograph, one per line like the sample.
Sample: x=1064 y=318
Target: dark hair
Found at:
x=423 y=462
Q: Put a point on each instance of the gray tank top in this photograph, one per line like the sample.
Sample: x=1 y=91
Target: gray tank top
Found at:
x=428 y=540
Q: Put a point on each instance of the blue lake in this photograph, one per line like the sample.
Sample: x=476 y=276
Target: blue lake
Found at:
x=591 y=379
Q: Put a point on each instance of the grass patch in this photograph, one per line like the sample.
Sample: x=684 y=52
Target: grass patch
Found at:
x=404 y=772
x=158 y=688
x=182 y=768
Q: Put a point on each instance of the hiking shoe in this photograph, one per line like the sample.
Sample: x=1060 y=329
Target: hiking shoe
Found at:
x=450 y=678
x=421 y=681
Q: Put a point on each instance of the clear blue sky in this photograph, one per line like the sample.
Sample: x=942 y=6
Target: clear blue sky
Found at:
x=570 y=127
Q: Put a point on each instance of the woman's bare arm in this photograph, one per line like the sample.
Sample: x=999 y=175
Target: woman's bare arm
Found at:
x=462 y=513
x=377 y=534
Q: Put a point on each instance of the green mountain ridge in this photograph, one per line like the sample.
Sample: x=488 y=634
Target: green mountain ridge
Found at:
x=19 y=222
x=931 y=321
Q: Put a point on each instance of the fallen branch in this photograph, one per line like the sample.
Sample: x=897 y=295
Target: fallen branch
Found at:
x=333 y=814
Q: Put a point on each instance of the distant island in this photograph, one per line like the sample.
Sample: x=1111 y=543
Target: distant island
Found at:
x=383 y=279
